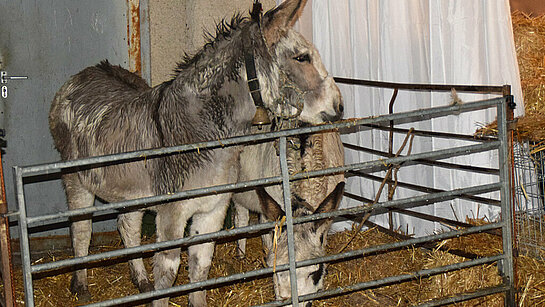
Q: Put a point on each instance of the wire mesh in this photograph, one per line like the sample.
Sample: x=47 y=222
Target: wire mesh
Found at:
x=529 y=198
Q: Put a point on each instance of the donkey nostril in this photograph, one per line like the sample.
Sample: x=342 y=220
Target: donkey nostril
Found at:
x=308 y=304
x=341 y=108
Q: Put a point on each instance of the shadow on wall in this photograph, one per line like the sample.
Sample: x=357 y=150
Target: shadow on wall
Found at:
x=530 y=7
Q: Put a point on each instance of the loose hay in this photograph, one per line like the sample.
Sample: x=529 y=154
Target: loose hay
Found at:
x=114 y=281
x=529 y=33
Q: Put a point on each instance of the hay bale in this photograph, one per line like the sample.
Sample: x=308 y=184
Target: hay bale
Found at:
x=529 y=34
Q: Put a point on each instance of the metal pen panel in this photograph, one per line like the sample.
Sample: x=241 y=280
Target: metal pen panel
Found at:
x=437 y=196
x=289 y=220
x=506 y=210
x=24 y=239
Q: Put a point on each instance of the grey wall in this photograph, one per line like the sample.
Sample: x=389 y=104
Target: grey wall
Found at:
x=49 y=40
x=178 y=26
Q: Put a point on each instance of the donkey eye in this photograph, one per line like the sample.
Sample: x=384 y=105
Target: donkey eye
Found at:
x=303 y=58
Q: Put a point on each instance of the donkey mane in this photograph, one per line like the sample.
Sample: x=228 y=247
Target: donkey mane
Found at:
x=224 y=30
x=125 y=77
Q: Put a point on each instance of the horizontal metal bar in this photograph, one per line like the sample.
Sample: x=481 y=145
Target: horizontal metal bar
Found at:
x=397 y=246
x=424 y=189
x=186 y=287
x=466 y=296
x=150 y=201
x=408 y=202
x=438 y=154
x=404 y=203
x=423 y=87
x=428 y=246
x=10 y=214
x=442 y=220
x=412 y=116
x=447 y=165
x=401 y=244
x=445 y=135
x=152 y=247
x=284 y=267
x=391 y=280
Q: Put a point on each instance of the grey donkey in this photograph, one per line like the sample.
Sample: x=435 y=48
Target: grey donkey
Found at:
x=312 y=195
x=105 y=109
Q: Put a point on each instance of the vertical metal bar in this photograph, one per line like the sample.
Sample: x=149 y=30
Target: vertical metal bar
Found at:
x=506 y=209
x=5 y=245
x=289 y=220
x=133 y=36
x=391 y=154
x=23 y=238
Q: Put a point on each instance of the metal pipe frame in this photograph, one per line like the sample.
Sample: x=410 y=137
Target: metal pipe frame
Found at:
x=379 y=208
x=425 y=189
x=444 y=135
x=420 y=215
x=369 y=165
x=326 y=259
x=469 y=168
x=418 y=115
x=481 y=89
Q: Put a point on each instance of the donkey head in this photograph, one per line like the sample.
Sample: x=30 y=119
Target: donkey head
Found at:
x=310 y=240
x=296 y=83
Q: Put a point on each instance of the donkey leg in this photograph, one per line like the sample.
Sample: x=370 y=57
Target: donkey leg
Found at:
x=200 y=256
x=80 y=232
x=266 y=238
x=242 y=217
x=170 y=222
x=130 y=229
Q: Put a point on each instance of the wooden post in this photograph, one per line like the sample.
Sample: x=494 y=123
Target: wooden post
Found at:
x=5 y=246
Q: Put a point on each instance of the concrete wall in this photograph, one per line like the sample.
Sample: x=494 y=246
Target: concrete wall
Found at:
x=178 y=26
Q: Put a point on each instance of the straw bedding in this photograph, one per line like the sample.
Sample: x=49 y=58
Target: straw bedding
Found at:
x=113 y=281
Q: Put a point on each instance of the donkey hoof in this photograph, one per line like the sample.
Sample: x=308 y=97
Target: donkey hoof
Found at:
x=80 y=291
x=146 y=287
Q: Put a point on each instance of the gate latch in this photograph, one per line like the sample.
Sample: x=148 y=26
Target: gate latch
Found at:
x=4 y=80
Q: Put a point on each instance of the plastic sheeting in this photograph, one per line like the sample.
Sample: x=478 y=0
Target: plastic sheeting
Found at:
x=418 y=41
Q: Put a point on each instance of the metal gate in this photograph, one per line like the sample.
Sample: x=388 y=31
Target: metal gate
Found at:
x=504 y=260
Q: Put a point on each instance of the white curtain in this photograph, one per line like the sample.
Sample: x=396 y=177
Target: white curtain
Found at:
x=418 y=41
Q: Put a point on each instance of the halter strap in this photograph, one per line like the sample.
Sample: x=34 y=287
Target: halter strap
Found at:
x=249 y=59
x=251 y=75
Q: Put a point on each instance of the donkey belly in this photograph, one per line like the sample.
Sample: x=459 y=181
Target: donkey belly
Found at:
x=222 y=168
x=119 y=182
x=256 y=162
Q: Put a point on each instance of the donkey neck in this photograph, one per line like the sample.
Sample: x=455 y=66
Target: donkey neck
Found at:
x=210 y=91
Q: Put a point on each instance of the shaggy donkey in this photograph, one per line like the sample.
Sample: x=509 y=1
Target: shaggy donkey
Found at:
x=312 y=195
x=104 y=109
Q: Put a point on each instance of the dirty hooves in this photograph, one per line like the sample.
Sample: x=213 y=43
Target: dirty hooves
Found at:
x=81 y=292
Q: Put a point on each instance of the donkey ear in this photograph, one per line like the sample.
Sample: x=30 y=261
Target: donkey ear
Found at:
x=281 y=18
x=271 y=209
x=332 y=201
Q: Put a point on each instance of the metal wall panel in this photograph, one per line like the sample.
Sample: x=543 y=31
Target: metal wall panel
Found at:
x=48 y=41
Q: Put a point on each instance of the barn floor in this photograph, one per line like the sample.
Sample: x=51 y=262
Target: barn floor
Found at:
x=113 y=281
